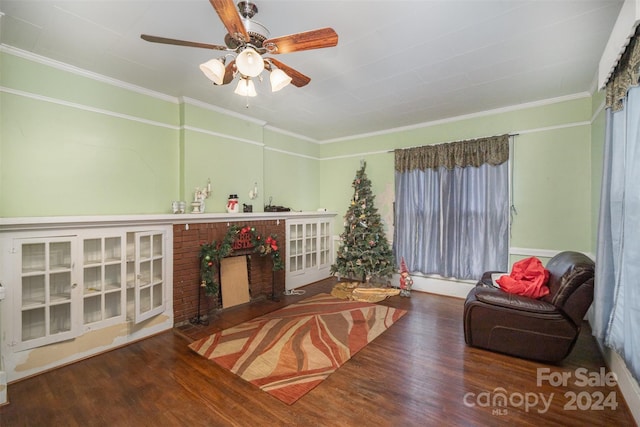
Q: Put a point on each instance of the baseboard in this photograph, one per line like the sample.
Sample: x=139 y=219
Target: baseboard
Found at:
x=437 y=285
x=628 y=385
x=3 y=388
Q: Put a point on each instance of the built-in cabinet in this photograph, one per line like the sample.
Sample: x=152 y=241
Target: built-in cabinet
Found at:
x=71 y=284
x=84 y=289
x=309 y=251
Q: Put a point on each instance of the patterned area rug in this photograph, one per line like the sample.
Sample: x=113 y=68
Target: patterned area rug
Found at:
x=290 y=351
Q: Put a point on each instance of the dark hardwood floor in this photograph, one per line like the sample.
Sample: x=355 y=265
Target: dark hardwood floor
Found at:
x=419 y=372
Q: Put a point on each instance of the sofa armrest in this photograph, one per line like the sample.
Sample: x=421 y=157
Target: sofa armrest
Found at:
x=486 y=279
x=497 y=297
x=579 y=302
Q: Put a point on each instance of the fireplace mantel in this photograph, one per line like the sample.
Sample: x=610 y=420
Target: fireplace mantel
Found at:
x=64 y=222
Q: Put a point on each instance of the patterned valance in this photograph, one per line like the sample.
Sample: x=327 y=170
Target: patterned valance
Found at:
x=493 y=150
x=625 y=76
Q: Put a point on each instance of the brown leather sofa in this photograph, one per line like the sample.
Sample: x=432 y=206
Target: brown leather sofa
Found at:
x=543 y=329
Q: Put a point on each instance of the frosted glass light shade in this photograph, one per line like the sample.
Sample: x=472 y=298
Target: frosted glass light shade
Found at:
x=245 y=88
x=278 y=79
x=214 y=70
x=249 y=63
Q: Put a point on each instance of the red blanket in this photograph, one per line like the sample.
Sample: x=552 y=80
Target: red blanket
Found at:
x=528 y=277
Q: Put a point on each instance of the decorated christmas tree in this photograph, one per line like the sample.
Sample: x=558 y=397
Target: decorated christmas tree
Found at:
x=364 y=253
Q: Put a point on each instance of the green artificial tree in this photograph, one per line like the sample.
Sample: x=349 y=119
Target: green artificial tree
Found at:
x=364 y=253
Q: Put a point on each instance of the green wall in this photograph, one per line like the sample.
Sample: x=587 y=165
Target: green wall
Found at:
x=291 y=172
x=74 y=145
x=227 y=150
x=597 y=156
x=76 y=151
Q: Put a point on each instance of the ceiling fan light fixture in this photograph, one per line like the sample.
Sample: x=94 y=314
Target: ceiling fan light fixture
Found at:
x=278 y=79
x=245 y=88
x=249 y=62
x=214 y=70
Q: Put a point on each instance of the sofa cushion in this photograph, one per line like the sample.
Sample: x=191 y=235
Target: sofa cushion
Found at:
x=498 y=297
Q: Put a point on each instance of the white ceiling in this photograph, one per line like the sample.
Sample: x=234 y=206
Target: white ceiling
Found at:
x=397 y=63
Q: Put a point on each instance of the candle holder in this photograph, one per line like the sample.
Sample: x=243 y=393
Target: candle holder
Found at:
x=198 y=205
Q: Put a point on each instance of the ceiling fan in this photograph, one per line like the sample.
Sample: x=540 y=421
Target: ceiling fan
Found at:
x=249 y=40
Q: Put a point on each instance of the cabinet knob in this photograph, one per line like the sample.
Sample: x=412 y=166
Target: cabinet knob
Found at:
x=74 y=285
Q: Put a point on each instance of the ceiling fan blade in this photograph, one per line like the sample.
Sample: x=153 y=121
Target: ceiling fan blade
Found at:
x=164 y=40
x=314 y=39
x=228 y=72
x=297 y=78
x=229 y=16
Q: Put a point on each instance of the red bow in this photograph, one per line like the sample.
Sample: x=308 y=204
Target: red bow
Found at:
x=272 y=242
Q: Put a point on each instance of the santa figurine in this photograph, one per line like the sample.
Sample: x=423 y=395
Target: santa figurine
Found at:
x=405 y=280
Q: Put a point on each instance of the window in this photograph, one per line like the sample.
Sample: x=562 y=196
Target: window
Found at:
x=452 y=207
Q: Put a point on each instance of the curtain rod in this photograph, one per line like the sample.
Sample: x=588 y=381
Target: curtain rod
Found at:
x=447 y=142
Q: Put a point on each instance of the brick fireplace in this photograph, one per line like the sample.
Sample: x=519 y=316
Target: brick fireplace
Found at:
x=186 y=266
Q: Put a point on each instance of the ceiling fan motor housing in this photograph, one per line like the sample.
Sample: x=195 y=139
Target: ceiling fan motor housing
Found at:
x=258 y=33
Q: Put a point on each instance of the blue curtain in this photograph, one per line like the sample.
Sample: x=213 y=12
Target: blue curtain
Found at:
x=617 y=281
x=453 y=220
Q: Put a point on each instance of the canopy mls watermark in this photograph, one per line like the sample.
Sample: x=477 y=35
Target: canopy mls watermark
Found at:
x=499 y=400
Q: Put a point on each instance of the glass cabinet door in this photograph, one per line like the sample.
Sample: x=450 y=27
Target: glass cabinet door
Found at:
x=148 y=274
x=309 y=251
x=102 y=285
x=295 y=250
x=46 y=283
x=310 y=245
x=324 y=243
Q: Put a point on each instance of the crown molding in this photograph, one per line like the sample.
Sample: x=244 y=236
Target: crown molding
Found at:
x=214 y=108
x=295 y=135
x=291 y=153
x=30 y=56
x=500 y=110
x=621 y=34
x=83 y=107
x=222 y=135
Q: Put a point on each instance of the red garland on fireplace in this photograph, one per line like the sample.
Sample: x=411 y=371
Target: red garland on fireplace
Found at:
x=237 y=238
